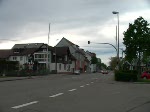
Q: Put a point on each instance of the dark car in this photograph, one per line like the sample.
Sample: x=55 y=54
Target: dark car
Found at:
x=146 y=75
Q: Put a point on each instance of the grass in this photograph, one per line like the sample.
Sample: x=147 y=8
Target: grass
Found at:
x=144 y=81
x=3 y=76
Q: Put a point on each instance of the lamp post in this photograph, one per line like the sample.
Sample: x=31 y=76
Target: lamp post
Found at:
x=55 y=60
x=47 y=54
x=56 y=57
x=115 y=12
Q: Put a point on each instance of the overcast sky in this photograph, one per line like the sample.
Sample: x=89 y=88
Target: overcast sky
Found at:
x=27 y=21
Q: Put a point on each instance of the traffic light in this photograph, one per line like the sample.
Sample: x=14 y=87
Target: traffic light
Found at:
x=88 y=42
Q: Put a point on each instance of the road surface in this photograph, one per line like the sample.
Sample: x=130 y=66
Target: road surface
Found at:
x=94 y=92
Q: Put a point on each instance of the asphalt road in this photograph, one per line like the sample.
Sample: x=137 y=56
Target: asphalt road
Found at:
x=74 y=93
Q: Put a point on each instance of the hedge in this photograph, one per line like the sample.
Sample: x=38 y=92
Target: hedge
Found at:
x=126 y=75
x=24 y=73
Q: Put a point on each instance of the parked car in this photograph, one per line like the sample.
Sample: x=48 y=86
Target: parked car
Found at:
x=104 y=71
x=77 y=72
x=146 y=75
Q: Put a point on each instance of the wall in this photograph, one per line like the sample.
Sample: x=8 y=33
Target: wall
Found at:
x=93 y=67
x=61 y=68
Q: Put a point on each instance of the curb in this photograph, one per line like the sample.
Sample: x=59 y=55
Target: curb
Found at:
x=141 y=82
x=24 y=78
x=3 y=80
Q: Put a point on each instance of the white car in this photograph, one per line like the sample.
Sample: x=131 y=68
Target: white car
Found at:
x=77 y=72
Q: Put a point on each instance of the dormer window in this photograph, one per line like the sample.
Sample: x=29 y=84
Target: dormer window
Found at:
x=16 y=52
x=44 y=50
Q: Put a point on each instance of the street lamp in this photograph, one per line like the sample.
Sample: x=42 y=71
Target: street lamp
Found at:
x=56 y=57
x=115 y=12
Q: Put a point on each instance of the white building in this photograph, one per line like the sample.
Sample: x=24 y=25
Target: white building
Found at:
x=80 y=59
x=27 y=54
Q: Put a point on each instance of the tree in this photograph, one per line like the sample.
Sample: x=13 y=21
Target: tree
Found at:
x=103 y=65
x=137 y=39
x=94 y=60
x=113 y=62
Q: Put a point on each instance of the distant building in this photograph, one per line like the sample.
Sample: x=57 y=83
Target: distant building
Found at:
x=62 y=60
x=27 y=54
x=80 y=58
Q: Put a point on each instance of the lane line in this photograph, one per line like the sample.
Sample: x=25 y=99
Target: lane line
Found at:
x=92 y=82
x=72 y=90
x=82 y=86
x=87 y=84
x=23 y=105
x=56 y=95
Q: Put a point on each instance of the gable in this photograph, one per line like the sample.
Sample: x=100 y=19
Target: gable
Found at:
x=64 y=42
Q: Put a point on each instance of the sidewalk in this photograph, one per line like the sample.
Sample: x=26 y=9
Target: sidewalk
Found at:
x=12 y=78
x=32 y=77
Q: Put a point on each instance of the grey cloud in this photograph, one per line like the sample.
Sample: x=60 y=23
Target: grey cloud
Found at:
x=22 y=19
x=65 y=14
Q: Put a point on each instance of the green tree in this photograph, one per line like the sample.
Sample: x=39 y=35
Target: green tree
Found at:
x=137 y=39
x=103 y=65
x=94 y=60
x=113 y=62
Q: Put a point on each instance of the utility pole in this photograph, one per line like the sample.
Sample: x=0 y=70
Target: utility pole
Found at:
x=115 y=12
x=47 y=60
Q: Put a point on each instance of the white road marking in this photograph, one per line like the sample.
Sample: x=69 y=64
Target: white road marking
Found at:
x=23 y=105
x=87 y=84
x=82 y=86
x=56 y=95
x=72 y=90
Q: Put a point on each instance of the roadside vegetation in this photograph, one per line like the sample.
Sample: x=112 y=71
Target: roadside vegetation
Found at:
x=11 y=69
x=137 y=53
x=127 y=76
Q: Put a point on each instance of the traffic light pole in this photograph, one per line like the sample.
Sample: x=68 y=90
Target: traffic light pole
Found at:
x=112 y=46
x=103 y=43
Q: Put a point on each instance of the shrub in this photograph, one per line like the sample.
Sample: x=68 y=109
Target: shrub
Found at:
x=11 y=73
x=126 y=75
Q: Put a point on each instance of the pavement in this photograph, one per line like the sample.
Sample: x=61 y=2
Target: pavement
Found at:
x=3 y=79
x=74 y=93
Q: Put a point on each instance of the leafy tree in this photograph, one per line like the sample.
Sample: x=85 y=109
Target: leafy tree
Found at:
x=103 y=65
x=94 y=60
x=137 y=39
x=113 y=62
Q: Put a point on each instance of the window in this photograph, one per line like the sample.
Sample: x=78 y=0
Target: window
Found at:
x=59 y=66
x=21 y=58
x=66 y=58
x=14 y=58
x=64 y=66
x=68 y=67
x=26 y=58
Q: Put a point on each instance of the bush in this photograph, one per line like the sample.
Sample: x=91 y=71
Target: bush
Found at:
x=11 y=73
x=24 y=73
x=126 y=76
